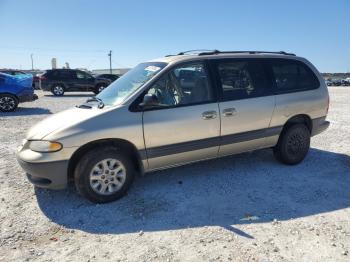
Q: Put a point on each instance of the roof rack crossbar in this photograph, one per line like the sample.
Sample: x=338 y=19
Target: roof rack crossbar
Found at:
x=197 y=51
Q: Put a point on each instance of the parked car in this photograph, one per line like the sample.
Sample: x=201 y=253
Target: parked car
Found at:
x=15 y=72
x=12 y=72
x=345 y=82
x=152 y=119
x=336 y=82
x=111 y=77
x=329 y=82
x=15 y=89
x=59 y=81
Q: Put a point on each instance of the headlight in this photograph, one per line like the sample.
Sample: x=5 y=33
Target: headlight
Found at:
x=24 y=141
x=44 y=146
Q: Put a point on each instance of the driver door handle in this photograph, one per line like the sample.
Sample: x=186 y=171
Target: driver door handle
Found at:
x=229 y=112
x=209 y=115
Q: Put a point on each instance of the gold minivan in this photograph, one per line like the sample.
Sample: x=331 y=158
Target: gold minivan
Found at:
x=177 y=110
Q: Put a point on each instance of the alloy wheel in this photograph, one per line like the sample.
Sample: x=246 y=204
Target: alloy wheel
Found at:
x=107 y=176
x=58 y=90
x=7 y=103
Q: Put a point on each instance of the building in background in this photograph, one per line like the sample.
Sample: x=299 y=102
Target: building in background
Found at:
x=53 y=63
x=116 y=71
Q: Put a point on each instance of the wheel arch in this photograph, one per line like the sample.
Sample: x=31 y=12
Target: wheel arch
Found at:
x=11 y=94
x=126 y=147
x=299 y=119
x=98 y=84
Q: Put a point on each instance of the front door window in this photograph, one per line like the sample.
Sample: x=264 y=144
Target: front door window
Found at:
x=184 y=85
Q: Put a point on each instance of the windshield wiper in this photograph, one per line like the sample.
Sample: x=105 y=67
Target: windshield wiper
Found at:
x=96 y=99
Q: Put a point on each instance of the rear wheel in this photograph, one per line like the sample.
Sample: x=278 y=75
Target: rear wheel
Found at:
x=57 y=90
x=8 y=103
x=104 y=175
x=293 y=144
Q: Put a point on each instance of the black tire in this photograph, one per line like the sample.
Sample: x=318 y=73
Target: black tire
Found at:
x=99 y=87
x=57 y=89
x=85 y=167
x=8 y=103
x=293 y=144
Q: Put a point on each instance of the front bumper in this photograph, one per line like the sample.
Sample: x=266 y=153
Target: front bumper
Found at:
x=52 y=175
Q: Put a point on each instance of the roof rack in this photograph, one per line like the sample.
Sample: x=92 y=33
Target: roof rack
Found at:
x=201 y=52
x=215 y=52
x=195 y=52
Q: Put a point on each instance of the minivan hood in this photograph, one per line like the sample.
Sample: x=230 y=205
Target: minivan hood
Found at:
x=61 y=120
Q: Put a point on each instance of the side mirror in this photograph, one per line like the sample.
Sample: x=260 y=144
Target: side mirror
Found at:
x=149 y=100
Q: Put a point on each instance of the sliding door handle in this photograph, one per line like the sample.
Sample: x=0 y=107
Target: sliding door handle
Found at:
x=229 y=112
x=209 y=115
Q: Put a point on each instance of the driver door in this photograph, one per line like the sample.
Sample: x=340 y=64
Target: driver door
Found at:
x=185 y=125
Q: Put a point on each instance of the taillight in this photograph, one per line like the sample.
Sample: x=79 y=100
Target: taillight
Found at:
x=42 y=78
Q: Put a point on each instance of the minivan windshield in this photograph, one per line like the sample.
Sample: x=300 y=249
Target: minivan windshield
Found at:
x=126 y=85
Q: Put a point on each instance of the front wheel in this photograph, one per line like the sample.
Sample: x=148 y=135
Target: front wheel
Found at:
x=8 y=103
x=104 y=175
x=293 y=144
x=99 y=88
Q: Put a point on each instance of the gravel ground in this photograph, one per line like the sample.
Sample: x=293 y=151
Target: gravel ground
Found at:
x=246 y=207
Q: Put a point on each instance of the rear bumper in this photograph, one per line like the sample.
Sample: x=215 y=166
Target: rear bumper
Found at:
x=27 y=96
x=52 y=175
x=319 y=125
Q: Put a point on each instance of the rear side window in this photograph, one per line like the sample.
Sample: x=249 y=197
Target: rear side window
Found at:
x=241 y=79
x=68 y=75
x=53 y=74
x=48 y=74
x=292 y=76
x=62 y=74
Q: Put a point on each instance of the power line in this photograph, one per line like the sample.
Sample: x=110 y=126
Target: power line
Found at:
x=52 y=49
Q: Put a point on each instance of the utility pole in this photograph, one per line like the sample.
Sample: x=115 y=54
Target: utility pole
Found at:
x=110 y=61
x=31 y=57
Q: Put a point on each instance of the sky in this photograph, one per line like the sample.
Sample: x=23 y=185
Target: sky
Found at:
x=82 y=32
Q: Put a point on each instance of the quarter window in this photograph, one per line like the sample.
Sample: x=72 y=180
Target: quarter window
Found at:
x=242 y=79
x=184 y=85
x=293 y=76
x=61 y=74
